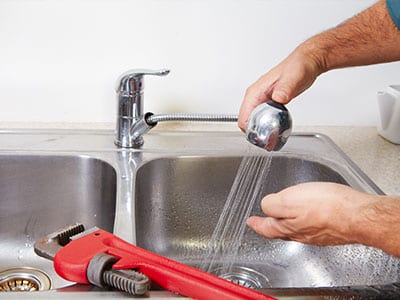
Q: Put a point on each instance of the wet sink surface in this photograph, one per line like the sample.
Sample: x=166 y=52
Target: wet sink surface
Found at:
x=40 y=194
x=167 y=197
x=179 y=200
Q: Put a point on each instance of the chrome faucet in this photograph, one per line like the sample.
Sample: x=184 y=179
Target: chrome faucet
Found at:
x=132 y=122
x=269 y=125
x=129 y=90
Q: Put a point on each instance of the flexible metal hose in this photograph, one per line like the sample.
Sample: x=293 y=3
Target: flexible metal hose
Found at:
x=154 y=119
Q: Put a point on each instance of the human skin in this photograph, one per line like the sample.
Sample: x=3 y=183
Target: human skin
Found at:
x=368 y=38
x=323 y=213
x=328 y=213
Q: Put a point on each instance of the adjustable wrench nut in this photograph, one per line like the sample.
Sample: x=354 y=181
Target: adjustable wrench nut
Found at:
x=100 y=263
x=101 y=274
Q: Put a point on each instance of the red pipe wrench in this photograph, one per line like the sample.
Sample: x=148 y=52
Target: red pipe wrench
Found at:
x=86 y=256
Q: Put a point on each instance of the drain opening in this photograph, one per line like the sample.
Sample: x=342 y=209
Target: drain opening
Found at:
x=244 y=276
x=23 y=280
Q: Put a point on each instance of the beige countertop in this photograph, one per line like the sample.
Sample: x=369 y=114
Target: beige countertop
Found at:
x=377 y=157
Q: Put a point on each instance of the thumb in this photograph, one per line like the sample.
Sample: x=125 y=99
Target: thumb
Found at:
x=280 y=95
x=291 y=84
x=286 y=88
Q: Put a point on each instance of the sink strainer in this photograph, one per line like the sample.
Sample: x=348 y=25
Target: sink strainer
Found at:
x=23 y=280
x=244 y=276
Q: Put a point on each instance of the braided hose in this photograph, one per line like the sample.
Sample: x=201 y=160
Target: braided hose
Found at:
x=154 y=119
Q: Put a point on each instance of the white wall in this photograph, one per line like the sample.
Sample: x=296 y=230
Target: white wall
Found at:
x=59 y=60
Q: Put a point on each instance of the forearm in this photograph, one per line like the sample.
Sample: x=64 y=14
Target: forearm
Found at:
x=368 y=38
x=378 y=224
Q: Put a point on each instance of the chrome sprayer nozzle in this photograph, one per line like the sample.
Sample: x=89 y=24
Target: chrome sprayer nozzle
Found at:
x=269 y=126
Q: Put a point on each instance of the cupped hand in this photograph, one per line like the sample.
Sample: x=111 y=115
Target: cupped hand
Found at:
x=284 y=82
x=314 y=213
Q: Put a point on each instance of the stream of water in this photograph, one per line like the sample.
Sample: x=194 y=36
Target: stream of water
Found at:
x=228 y=233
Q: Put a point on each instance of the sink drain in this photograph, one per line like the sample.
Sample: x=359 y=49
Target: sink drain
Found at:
x=244 y=276
x=23 y=280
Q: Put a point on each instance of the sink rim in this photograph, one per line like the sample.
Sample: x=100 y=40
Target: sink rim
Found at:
x=102 y=147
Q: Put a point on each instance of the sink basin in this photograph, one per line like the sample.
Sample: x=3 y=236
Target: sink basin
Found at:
x=178 y=200
x=42 y=193
x=167 y=197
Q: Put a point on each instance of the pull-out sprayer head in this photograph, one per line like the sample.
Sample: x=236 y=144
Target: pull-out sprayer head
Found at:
x=269 y=126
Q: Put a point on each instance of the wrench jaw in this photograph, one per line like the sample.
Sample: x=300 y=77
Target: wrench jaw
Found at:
x=99 y=271
x=52 y=243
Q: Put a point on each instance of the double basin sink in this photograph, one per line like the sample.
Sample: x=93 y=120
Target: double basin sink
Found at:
x=167 y=197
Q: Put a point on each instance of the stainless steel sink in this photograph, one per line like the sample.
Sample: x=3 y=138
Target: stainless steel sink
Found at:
x=167 y=197
x=40 y=193
x=178 y=201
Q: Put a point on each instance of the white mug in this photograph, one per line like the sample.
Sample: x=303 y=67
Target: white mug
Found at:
x=389 y=110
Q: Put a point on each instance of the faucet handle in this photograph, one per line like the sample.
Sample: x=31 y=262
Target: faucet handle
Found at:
x=132 y=81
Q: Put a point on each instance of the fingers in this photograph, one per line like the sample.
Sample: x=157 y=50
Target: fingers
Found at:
x=256 y=94
x=279 y=211
x=267 y=227
x=264 y=89
x=287 y=80
x=314 y=212
x=278 y=206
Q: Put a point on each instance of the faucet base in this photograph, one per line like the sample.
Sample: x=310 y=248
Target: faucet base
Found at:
x=137 y=143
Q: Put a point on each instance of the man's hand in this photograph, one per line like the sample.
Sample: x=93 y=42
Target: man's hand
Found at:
x=290 y=78
x=314 y=213
x=368 y=38
x=323 y=213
